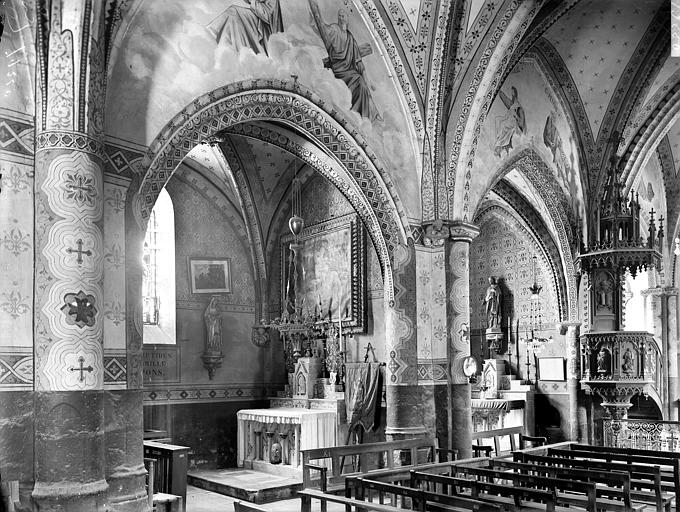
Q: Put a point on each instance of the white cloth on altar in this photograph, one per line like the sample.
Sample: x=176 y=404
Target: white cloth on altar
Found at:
x=317 y=426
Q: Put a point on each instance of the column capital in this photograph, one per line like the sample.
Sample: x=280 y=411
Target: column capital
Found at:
x=462 y=231
x=659 y=291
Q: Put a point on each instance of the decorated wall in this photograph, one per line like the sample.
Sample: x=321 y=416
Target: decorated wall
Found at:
x=505 y=250
x=200 y=412
x=210 y=46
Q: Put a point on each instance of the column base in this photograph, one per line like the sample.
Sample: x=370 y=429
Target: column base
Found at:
x=127 y=491
x=71 y=496
x=461 y=425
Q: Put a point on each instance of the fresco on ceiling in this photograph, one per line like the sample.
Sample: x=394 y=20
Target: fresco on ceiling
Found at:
x=526 y=113
x=508 y=124
x=649 y=187
x=17 y=65
x=168 y=55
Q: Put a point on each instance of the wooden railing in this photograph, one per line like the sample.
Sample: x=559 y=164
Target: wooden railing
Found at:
x=663 y=436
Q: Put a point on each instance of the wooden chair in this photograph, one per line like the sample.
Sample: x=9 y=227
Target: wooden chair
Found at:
x=534 y=440
x=481 y=450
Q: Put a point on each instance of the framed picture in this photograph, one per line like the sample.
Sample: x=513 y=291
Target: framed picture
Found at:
x=331 y=272
x=551 y=368
x=209 y=275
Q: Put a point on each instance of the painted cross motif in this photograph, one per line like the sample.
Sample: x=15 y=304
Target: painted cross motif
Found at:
x=81 y=369
x=79 y=251
x=80 y=189
x=79 y=309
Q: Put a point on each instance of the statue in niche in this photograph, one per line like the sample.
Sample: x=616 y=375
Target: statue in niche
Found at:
x=492 y=301
x=603 y=361
x=627 y=366
x=213 y=326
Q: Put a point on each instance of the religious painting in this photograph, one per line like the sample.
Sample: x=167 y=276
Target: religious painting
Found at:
x=551 y=368
x=510 y=123
x=345 y=56
x=210 y=275
x=248 y=25
x=331 y=271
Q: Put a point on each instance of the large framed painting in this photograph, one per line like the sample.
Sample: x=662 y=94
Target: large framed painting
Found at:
x=332 y=271
x=209 y=275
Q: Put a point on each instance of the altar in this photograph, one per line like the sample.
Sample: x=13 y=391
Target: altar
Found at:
x=293 y=429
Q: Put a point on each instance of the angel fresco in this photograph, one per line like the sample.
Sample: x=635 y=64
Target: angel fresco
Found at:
x=345 y=59
x=513 y=121
x=248 y=27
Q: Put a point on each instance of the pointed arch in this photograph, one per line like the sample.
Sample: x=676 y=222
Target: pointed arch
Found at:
x=463 y=134
x=349 y=162
x=530 y=164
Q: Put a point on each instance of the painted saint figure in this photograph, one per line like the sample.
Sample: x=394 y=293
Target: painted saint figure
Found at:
x=507 y=125
x=248 y=27
x=493 y=304
x=213 y=326
x=345 y=59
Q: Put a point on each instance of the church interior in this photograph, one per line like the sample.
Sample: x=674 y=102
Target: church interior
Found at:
x=244 y=230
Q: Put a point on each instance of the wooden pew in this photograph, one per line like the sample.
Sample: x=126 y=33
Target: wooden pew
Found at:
x=641 y=476
x=515 y=497
x=515 y=436
x=670 y=479
x=609 y=485
x=579 y=493
x=338 y=455
x=306 y=496
x=421 y=500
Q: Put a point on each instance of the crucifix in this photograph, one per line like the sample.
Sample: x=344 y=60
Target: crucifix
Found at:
x=81 y=369
x=80 y=251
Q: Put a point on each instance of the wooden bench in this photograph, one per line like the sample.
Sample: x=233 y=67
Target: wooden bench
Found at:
x=515 y=435
x=339 y=455
x=306 y=496
x=420 y=499
x=508 y=497
x=642 y=476
x=579 y=493
x=670 y=477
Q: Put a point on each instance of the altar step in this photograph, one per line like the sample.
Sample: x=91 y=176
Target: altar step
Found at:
x=246 y=484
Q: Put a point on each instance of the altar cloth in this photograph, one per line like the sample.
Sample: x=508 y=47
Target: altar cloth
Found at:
x=313 y=428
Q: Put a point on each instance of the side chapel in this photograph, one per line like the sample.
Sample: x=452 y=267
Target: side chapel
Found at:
x=254 y=227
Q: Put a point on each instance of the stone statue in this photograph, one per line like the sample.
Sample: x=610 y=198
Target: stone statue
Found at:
x=213 y=326
x=493 y=304
x=603 y=361
x=627 y=361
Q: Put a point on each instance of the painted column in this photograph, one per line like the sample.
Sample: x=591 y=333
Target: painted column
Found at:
x=68 y=288
x=433 y=364
x=457 y=264
x=76 y=448
x=672 y=336
x=573 y=345
x=403 y=396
